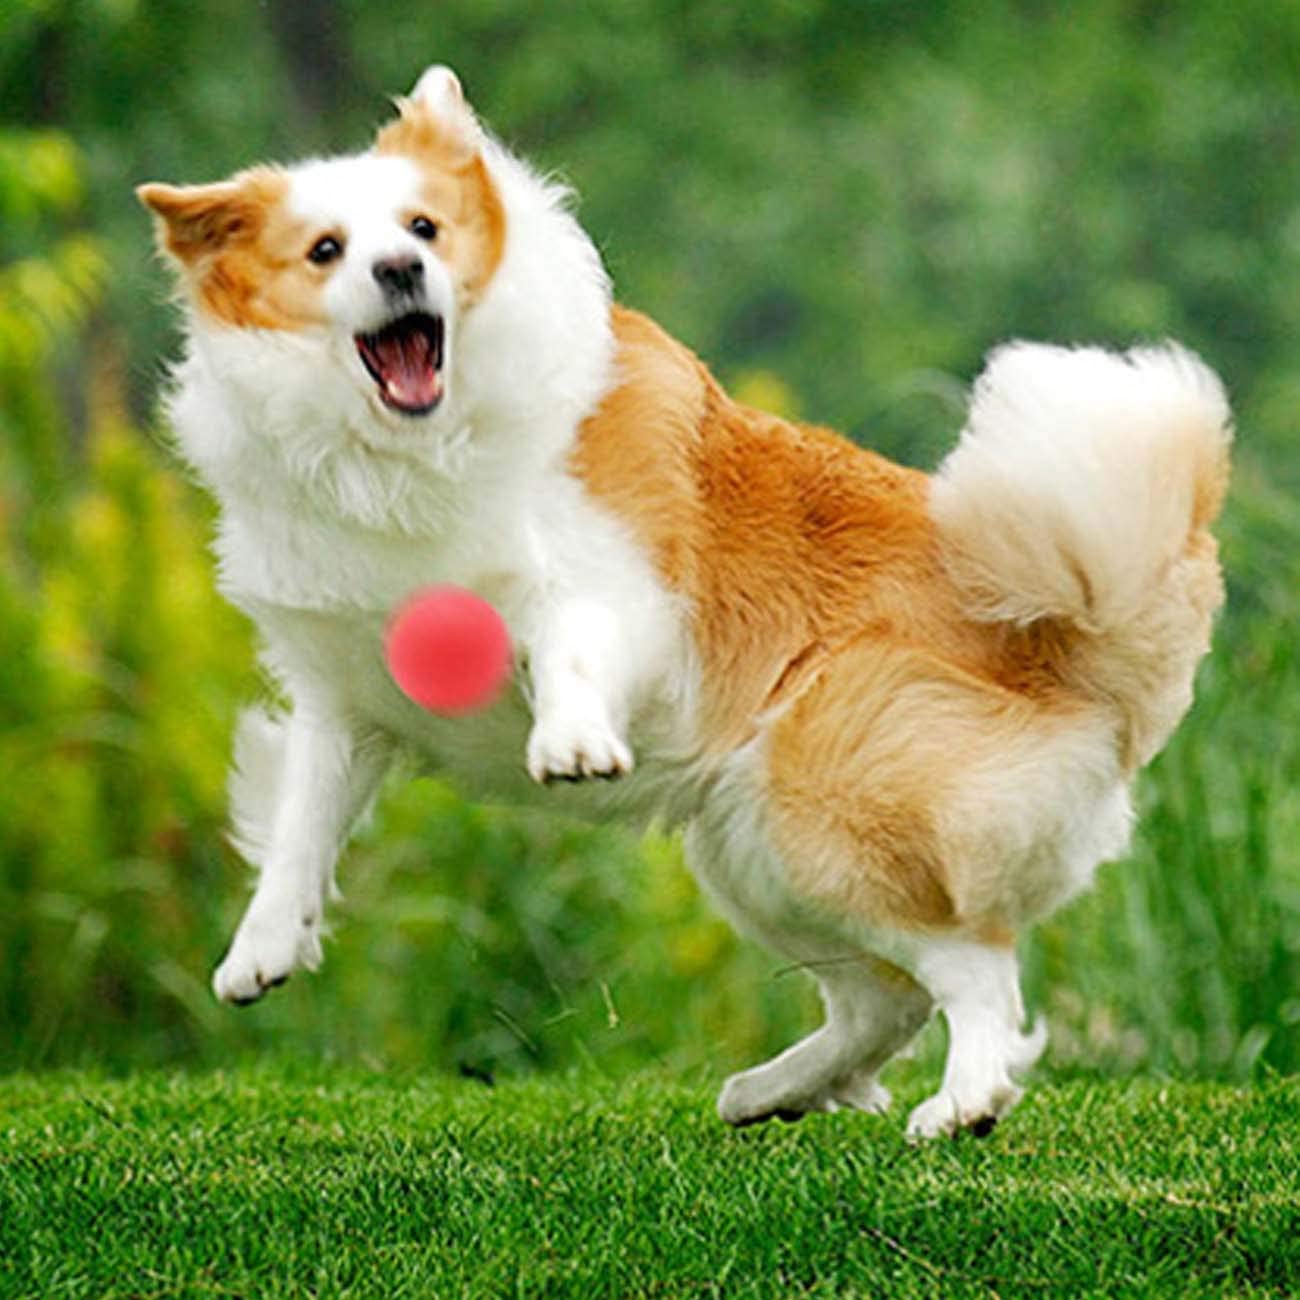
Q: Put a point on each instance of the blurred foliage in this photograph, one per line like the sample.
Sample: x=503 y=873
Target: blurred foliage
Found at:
x=840 y=207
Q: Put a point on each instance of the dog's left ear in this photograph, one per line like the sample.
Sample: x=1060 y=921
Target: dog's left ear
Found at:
x=435 y=119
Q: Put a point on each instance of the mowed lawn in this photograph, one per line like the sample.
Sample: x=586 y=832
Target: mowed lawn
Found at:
x=328 y=1182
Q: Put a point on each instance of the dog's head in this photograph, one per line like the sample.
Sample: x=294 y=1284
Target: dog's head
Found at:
x=381 y=253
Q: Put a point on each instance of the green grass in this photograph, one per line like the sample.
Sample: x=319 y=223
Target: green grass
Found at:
x=285 y=1182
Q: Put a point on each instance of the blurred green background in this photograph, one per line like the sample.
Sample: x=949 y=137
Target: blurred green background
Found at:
x=841 y=207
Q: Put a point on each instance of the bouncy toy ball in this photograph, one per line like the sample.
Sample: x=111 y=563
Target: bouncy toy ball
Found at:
x=448 y=650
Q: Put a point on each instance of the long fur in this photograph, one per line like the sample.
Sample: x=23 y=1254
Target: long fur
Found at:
x=1081 y=490
x=1078 y=480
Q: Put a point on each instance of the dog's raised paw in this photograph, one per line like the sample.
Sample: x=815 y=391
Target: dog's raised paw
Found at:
x=262 y=956
x=573 y=748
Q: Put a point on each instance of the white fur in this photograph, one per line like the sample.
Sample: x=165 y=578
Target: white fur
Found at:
x=1072 y=488
x=977 y=987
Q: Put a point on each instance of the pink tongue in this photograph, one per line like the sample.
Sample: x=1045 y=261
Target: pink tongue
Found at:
x=406 y=362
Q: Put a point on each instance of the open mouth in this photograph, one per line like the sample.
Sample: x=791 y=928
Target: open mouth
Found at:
x=405 y=361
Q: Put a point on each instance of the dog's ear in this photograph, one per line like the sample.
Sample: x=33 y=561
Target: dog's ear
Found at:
x=439 y=89
x=198 y=220
x=435 y=121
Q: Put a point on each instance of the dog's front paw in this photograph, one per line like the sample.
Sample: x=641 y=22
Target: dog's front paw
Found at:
x=573 y=747
x=267 y=948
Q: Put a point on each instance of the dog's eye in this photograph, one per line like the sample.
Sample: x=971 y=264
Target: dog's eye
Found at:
x=423 y=228
x=325 y=250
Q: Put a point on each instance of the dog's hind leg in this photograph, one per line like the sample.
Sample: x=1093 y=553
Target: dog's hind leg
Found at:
x=872 y=1010
x=306 y=781
x=976 y=985
x=872 y=1007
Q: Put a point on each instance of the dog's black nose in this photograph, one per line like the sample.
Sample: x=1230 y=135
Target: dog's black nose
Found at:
x=399 y=276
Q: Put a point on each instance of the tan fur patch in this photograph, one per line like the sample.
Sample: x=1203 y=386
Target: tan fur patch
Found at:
x=866 y=766
x=245 y=253
x=789 y=541
x=820 y=602
x=638 y=452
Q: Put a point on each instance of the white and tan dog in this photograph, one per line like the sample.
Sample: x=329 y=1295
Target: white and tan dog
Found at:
x=898 y=715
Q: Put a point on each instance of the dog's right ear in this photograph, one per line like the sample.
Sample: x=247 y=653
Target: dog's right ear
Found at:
x=435 y=119
x=439 y=89
x=194 y=221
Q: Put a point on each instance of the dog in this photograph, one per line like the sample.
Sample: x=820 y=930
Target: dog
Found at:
x=898 y=715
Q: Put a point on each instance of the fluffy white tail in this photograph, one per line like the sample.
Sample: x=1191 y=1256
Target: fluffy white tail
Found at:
x=1080 y=478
